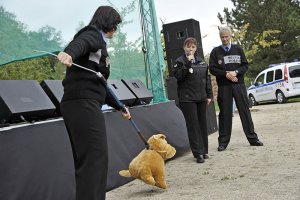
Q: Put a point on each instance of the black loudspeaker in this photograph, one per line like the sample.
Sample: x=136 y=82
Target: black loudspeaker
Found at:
x=174 y=35
x=171 y=89
x=212 y=124
x=23 y=100
x=54 y=89
x=122 y=92
x=140 y=91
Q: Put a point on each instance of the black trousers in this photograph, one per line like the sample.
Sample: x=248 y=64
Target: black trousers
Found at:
x=86 y=128
x=195 y=119
x=225 y=101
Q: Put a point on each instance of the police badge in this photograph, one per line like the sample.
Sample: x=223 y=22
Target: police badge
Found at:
x=220 y=62
x=191 y=70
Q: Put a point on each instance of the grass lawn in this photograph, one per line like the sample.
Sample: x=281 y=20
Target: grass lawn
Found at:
x=297 y=99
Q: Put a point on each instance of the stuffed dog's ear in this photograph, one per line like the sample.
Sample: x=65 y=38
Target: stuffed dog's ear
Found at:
x=159 y=136
x=163 y=154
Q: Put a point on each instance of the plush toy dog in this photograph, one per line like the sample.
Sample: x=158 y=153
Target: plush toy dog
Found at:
x=149 y=165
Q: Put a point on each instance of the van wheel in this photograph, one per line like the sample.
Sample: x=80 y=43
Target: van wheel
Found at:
x=280 y=97
x=252 y=100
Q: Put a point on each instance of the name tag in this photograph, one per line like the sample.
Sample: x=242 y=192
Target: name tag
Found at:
x=232 y=59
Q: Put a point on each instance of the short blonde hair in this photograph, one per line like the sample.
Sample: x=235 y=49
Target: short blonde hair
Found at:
x=224 y=29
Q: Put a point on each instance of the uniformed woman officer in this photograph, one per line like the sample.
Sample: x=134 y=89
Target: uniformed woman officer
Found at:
x=83 y=97
x=194 y=93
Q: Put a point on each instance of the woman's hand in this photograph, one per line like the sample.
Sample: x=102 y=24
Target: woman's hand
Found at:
x=190 y=57
x=65 y=59
x=127 y=114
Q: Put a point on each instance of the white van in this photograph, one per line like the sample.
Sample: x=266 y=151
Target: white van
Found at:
x=277 y=83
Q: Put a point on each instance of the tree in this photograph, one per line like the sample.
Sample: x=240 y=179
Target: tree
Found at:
x=11 y=36
x=127 y=59
x=33 y=69
x=17 y=44
x=272 y=34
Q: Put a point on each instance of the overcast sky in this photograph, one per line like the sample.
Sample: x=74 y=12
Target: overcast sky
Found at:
x=65 y=15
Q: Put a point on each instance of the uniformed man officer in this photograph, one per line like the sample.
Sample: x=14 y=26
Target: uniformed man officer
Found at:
x=229 y=64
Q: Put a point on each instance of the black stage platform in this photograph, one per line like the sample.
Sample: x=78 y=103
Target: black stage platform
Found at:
x=36 y=160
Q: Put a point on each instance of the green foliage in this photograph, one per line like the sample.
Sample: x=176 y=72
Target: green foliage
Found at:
x=163 y=44
x=10 y=38
x=270 y=30
x=18 y=43
x=44 y=68
x=126 y=57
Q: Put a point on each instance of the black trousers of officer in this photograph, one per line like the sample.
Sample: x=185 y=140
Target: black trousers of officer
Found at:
x=86 y=128
x=225 y=95
x=195 y=119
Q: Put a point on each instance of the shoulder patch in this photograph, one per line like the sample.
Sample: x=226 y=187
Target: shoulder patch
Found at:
x=95 y=56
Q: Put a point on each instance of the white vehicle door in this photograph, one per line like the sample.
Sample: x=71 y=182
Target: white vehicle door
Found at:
x=269 y=92
x=294 y=73
x=259 y=87
x=279 y=81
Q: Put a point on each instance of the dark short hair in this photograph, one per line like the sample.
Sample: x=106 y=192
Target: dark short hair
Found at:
x=106 y=19
x=189 y=41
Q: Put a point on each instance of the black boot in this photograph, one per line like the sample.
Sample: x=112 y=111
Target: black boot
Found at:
x=200 y=159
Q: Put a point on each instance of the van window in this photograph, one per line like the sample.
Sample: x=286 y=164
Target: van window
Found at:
x=294 y=71
x=260 y=79
x=270 y=75
x=278 y=74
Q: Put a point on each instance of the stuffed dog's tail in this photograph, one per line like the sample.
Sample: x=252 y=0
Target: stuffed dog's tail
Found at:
x=125 y=173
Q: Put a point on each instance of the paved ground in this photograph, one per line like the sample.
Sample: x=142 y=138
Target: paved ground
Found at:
x=242 y=172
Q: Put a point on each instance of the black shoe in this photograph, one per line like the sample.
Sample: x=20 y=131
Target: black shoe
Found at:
x=257 y=143
x=221 y=148
x=205 y=156
x=200 y=159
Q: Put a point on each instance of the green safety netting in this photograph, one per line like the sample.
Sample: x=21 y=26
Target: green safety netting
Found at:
x=125 y=49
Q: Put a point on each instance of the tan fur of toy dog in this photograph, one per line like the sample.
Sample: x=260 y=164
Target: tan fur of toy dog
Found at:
x=149 y=165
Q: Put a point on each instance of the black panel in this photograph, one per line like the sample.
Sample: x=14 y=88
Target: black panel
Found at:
x=23 y=98
x=175 y=33
x=37 y=163
x=140 y=91
x=212 y=124
x=171 y=89
x=54 y=89
x=122 y=92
